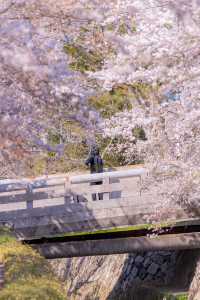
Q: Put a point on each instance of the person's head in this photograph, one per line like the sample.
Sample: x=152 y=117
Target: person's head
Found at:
x=94 y=150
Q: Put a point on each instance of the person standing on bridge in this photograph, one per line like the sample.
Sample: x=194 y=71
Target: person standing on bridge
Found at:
x=95 y=162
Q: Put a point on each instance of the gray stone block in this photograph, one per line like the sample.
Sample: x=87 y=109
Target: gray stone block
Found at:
x=153 y=268
x=164 y=267
x=149 y=278
x=167 y=253
x=173 y=257
x=147 y=262
x=142 y=273
x=139 y=259
x=132 y=256
x=128 y=269
x=157 y=258
x=134 y=272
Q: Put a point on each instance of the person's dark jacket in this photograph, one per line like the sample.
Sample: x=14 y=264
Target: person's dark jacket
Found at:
x=95 y=162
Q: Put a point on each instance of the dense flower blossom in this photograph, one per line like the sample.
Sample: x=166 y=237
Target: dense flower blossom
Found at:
x=152 y=42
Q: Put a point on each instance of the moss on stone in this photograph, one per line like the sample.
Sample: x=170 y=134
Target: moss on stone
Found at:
x=83 y=60
x=155 y=226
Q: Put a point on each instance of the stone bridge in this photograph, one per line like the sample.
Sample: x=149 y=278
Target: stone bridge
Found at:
x=69 y=215
x=92 y=214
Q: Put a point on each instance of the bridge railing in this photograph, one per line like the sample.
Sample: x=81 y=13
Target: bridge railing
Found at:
x=28 y=193
x=60 y=204
x=62 y=189
x=105 y=186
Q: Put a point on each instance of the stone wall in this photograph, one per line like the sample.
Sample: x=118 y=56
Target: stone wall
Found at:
x=148 y=269
x=117 y=276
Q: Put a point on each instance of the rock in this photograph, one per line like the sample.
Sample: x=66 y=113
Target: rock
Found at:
x=158 y=259
x=153 y=268
x=134 y=272
x=129 y=267
x=164 y=267
x=147 y=262
x=149 y=278
x=139 y=259
x=142 y=273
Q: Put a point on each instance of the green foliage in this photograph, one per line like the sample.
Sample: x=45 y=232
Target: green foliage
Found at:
x=112 y=102
x=141 y=90
x=53 y=138
x=139 y=133
x=84 y=29
x=74 y=130
x=51 y=154
x=120 y=98
x=33 y=289
x=110 y=27
x=133 y=27
x=113 y=158
x=77 y=151
x=38 y=165
x=5 y=235
x=176 y=297
x=168 y=25
x=82 y=59
x=27 y=274
x=122 y=28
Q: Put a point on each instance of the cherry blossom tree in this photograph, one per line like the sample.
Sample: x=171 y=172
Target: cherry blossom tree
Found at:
x=151 y=42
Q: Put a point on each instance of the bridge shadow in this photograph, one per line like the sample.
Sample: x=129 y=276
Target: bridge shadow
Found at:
x=145 y=273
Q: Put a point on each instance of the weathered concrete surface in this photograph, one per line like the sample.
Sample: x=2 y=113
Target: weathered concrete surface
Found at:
x=119 y=245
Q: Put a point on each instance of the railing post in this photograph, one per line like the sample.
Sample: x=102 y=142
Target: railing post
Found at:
x=29 y=193
x=106 y=183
